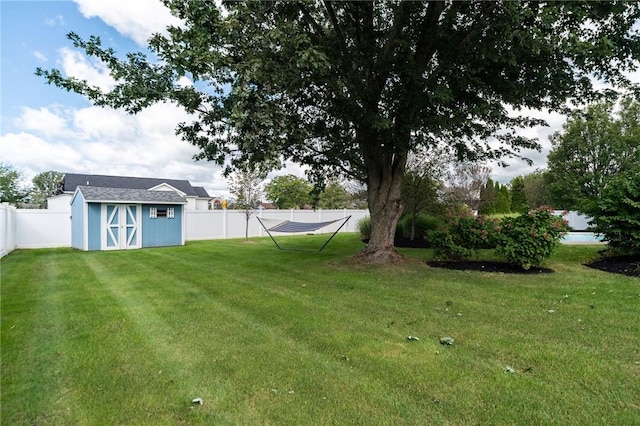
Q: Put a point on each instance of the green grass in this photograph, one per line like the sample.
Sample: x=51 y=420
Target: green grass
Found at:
x=279 y=337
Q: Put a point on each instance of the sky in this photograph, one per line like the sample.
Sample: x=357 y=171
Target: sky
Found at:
x=46 y=128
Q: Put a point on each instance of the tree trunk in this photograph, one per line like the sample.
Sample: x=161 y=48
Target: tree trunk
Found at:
x=414 y=217
x=385 y=175
x=247 y=216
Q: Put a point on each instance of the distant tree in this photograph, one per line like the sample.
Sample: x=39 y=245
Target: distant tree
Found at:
x=289 y=192
x=594 y=145
x=334 y=196
x=358 y=193
x=44 y=185
x=420 y=190
x=503 y=199
x=616 y=212
x=488 y=198
x=518 y=196
x=465 y=181
x=246 y=186
x=11 y=189
x=535 y=190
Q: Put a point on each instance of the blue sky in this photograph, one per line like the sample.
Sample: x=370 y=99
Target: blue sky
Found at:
x=45 y=128
x=32 y=32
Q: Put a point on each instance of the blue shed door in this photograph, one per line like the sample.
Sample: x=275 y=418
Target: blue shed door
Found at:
x=121 y=226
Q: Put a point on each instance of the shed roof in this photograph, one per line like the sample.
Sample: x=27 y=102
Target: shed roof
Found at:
x=74 y=180
x=134 y=196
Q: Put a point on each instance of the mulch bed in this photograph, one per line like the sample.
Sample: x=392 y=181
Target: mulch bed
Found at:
x=487 y=266
x=624 y=265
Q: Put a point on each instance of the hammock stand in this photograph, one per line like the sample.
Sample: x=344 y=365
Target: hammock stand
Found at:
x=289 y=226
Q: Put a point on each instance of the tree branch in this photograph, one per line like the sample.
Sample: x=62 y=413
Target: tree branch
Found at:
x=336 y=25
x=426 y=45
x=310 y=20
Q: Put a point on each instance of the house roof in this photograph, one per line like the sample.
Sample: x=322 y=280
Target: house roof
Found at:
x=267 y=206
x=134 y=196
x=74 y=180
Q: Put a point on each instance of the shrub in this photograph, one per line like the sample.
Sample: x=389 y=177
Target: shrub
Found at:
x=424 y=225
x=364 y=227
x=463 y=236
x=529 y=239
x=616 y=213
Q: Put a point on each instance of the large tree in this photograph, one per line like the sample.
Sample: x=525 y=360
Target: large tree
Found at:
x=594 y=145
x=354 y=87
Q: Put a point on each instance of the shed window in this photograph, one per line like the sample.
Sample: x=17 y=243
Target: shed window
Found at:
x=168 y=212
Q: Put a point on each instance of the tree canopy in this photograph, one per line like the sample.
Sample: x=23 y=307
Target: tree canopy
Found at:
x=289 y=192
x=46 y=184
x=594 y=145
x=519 y=202
x=334 y=196
x=353 y=87
x=11 y=190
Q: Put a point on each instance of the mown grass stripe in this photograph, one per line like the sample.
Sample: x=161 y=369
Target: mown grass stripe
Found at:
x=242 y=324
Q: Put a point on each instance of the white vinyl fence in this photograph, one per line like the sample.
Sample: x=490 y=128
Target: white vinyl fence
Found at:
x=25 y=229
x=7 y=229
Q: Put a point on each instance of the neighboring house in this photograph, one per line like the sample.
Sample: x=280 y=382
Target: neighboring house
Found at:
x=121 y=219
x=195 y=197
x=267 y=206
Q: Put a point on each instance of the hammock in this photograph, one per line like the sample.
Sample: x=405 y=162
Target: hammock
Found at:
x=289 y=226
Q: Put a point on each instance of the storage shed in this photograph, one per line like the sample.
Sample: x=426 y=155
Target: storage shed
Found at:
x=120 y=219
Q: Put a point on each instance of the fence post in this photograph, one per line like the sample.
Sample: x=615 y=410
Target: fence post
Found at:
x=224 y=224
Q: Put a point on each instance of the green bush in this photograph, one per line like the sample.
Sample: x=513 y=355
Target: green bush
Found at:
x=424 y=225
x=449 y=247
x=463 y=235
x=616 y=213
x=529 y=239
x=364 y=227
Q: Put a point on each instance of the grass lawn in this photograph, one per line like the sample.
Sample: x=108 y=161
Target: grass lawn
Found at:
x=279 y=337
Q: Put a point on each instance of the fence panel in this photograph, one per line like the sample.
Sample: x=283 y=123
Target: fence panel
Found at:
x=42 y=228
x=7 y=229
x=23 y=228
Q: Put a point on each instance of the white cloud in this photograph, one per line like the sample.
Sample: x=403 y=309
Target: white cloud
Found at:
x=137 y=19
x=40 y=56
x=44 y=121
x=77 y=65
x=103 y=124
x=58 y=20
x=32 y=154
x=106 y=141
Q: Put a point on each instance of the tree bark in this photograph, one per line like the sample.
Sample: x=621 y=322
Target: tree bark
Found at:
x=385 y=176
